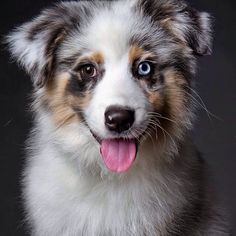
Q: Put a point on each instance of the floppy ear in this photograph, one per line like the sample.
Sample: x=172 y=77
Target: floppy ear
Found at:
x=34 y=44
x=195 y=29
x=191 y=27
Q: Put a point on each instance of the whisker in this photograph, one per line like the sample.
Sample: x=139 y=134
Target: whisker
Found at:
x=151 y=114
x=201 y=103
x=164 y=131
x=154 y=125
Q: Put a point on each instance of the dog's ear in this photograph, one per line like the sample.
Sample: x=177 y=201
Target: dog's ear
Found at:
x=193 y=28
x=34 y=44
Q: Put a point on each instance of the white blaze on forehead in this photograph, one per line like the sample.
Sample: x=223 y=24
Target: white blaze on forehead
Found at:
x=109 y=32
x=117 y=88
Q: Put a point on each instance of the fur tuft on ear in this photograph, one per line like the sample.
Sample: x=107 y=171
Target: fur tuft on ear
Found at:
x=34 y=44
x=191 y=27
x=35 y=54
x=204 y=34
x=195 y=29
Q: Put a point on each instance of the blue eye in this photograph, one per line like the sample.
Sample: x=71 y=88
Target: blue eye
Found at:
x=144 y=69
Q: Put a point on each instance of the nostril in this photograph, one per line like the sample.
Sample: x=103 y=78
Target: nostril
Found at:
x=119 y=119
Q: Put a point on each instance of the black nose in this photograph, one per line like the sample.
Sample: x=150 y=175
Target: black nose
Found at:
x=119 y=119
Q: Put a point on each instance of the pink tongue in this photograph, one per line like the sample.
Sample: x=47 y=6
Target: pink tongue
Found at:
x=118 y=154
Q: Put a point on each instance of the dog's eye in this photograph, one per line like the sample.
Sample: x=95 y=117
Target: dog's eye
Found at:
x=144 y=69
x=88 y=71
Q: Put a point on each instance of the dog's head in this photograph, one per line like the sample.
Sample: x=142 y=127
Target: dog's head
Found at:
x=114 y=73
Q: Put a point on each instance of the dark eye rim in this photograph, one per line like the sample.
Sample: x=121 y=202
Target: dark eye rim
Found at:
x=77 y=70
x=136 y=65
x=145 y=63
x=83 y=73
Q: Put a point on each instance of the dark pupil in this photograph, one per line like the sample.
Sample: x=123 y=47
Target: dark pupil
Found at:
x=88 y=70
x=144 y=67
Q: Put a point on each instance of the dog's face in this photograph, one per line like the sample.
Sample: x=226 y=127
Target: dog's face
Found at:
x=121 y=71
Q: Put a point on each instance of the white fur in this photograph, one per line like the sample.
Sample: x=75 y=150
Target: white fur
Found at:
x=69 y=192
x=125 y=93
x=65 y=198
x=28 y=53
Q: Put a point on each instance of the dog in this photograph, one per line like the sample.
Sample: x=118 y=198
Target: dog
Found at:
x=111 y=152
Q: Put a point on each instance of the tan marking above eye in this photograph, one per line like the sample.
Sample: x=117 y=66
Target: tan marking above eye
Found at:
x=136 y=53
x=96 y=57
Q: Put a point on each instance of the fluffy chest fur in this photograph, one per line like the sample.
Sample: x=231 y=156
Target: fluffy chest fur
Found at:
x=75 y=202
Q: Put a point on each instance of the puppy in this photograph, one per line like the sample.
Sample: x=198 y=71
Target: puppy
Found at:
x=110 y=153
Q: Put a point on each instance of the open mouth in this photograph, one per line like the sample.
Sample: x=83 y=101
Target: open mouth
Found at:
x=118 y=154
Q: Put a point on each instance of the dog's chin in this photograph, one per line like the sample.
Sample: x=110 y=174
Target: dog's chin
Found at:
x=118 y=154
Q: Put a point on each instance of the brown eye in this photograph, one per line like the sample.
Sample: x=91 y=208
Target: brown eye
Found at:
x=88 y=71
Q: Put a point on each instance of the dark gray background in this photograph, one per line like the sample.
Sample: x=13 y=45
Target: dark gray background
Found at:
x=216 y=82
